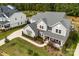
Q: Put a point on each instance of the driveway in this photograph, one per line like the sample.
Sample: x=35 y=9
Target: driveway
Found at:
x=18 y=33
x=76 y=53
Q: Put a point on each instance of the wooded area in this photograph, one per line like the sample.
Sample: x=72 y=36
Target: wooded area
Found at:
x=71 y=9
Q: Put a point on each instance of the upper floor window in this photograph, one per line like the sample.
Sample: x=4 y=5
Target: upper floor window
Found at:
x=58 y=31
x=21 y=17
x=49 y=28
x=15 y=18
x=42 y=27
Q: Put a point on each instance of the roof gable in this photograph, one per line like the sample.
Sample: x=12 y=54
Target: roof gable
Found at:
x=34 y=28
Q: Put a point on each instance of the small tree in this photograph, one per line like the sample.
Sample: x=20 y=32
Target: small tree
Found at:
x=6 y=40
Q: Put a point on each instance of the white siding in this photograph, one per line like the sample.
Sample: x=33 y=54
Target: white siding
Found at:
x=59 y=26
x=3 y=19
x=28 y=28
x=17 y=19
x=42 y=23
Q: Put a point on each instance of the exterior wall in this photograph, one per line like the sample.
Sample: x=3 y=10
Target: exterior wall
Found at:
x=42 y=24
x=59 y=26
x=2 y=19
x=2 y=25
x=53 y=43
x=28 y=28
x=17 y=19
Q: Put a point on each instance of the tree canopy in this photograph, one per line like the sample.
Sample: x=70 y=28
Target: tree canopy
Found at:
x=71 y=9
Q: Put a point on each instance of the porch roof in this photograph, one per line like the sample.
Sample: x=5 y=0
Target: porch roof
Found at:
x=3 y=22
x=56 y=36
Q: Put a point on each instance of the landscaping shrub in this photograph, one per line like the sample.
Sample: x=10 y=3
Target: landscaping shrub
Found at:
x=6 y=40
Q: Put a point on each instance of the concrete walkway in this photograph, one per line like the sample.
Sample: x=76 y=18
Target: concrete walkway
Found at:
x=76 y=53
x=11 y=36
x=18 y=33
x=34 y=43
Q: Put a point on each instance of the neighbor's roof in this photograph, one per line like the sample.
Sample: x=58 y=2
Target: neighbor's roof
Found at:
x=50 y=17
x=2 y=15
x=34 y=28
x=7 y=10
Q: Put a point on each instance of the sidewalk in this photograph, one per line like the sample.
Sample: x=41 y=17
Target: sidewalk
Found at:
x=34 y=43
x=18 y=33
x=76 y=53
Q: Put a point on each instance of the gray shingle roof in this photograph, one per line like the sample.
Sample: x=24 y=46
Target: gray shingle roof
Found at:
x=34 y=28
x=66 y=23
x=49 y=17
x=2 y=15
x=6 y=10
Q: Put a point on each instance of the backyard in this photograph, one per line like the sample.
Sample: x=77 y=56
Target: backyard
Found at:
x=71 y=43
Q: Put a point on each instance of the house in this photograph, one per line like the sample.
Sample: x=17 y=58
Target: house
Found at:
x=52 y=26
x=10 y=17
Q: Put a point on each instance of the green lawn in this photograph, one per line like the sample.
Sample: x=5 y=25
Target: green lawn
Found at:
x=71 y=43
x=19 y=47
x=8 y=32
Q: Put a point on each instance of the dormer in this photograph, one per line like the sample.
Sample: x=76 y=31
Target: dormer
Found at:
x=59 y=29
x=41 y=25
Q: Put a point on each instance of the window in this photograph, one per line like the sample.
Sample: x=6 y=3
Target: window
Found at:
x=59 y=42
x=49 y=28
x=21 y=17
x=56 y=30
x=59 y=31
x=56 y=41
x=15 y=18
x=18 y=23
x=42 y=27
x=21 y=22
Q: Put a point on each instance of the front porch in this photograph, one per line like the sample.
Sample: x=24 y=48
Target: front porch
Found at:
x=4 y=27
x=55 y=42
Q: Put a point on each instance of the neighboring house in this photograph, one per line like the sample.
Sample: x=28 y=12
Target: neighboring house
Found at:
x=52 y=26
x=10 y=17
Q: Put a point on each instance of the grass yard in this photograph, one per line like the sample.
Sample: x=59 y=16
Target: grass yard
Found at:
x=8 y=32
x=19 y=47
x=71 y=43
